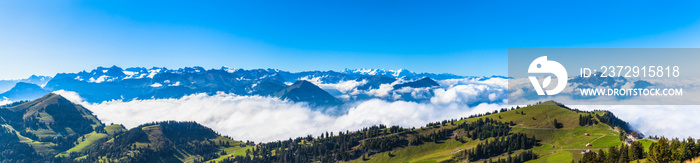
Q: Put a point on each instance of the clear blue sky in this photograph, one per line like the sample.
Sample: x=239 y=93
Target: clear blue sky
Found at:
x=460 y=37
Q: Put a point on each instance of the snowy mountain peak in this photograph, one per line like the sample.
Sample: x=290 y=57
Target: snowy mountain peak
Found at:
x=228 y=69
x=402 y=72
x=381 y=72
x=364 y=71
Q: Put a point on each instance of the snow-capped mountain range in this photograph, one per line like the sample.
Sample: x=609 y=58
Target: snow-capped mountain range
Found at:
x=319 y=88
x=114 y=73
x=400 y=73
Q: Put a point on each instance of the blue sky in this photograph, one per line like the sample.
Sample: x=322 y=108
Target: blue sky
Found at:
x=459 y=37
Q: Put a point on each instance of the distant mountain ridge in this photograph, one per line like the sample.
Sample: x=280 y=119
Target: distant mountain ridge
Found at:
x=24 y=91
x=6 y=85
x=425 y=82
x=306 y=91
x=114 y=73
x=400 y=73
x=116 y=83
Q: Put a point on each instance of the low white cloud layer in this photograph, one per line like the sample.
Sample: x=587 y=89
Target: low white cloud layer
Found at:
x=466 y=90
x=267 y=119
x=5 y=101
x=470 y=93
x=342 y=86
x=663 y=120
x=383 y=91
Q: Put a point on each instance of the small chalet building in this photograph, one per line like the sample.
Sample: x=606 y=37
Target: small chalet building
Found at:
x=586 y=151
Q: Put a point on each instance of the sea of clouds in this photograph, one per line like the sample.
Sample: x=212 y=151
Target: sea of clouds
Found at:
x=264 y=119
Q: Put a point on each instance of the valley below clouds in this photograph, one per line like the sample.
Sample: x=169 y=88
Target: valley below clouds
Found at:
x=264 y=119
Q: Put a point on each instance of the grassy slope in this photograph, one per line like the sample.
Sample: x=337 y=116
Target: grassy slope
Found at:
x=41 y=147
x=92 y=138
x=112 y=130
x=568 y=141
x=82 y=143
x=428 y=152
x=235 y=149
x=646 y=143
x=155 y=135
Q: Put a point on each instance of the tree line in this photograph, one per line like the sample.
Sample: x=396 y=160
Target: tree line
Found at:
x=518 y=158
x=662 y=151
x=586 y=120
x=366 y=142
x=674 y=150
x=504 y=144
x=614 y=154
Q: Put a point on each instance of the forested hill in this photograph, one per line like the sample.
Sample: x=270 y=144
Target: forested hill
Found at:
x=52 y=129
x=168 y=141
x=546 y=132
x=48 y=125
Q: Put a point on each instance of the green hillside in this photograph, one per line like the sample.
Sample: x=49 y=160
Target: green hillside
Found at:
x=555 y=144
x=564 y=143
x=162 y=142
x=574 y=132
x=93 y=139
x=52 y=129
x=460 y=140
x=49 y=124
